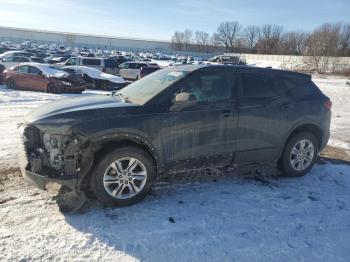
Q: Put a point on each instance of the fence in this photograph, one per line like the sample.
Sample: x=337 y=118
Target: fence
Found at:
x=292 y=62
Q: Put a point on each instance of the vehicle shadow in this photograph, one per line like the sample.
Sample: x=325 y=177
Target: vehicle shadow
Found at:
x=222 y=216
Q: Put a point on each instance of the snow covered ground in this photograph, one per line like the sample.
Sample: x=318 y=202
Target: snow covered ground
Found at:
x=232 y=219
x=225 y=219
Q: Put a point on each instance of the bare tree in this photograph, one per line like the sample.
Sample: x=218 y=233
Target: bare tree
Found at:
x=322 y=44
x=202 y=40
x=227 y=33
x=345 y=40
x=294 y=43
x=270 y=36
x=252 y=34
x=178 y=40
x=188 y=34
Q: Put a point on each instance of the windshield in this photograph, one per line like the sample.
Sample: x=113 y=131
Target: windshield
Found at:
x=143 y=90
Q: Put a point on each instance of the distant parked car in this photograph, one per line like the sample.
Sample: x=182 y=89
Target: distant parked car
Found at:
x=11 y=61
x=105 y=65
x=4 y=49
x=2 y=69
x=131 y=70
x=147 y=70
x=227 y=60
x=96 y=78
x=55 y=60
x=15 y=53
x=43 y=77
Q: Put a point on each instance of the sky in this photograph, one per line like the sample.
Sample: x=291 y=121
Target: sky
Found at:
x=151 y=19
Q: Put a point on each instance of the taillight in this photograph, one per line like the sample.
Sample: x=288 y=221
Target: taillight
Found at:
x=328 y=104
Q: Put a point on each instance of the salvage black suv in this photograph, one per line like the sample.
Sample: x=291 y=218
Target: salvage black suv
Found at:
x=178 y=118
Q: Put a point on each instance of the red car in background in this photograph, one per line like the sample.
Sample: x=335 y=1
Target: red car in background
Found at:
x=43 y=77
x=2 y=69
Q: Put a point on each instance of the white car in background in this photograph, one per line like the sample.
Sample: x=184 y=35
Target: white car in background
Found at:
x=131 y=70
x=12 y=61
x=97 y=78
x=15 y=53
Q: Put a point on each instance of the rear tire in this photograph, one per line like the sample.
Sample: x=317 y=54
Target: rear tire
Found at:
x=123 y=176
x=299 y=154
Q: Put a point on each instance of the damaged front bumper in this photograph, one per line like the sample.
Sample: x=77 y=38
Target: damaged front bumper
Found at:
x=43 y=160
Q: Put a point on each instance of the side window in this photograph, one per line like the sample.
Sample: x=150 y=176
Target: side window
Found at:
x=132 y=66
x=258 y=85
x=34 y=71
x=124 y=66
x=208 y=86
x=91 y=62
x=23 y=69
x=9 y=59
x=20 y=59
x=72 y=61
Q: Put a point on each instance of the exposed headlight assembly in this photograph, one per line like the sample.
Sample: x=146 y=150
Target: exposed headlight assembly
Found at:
x=66 y=83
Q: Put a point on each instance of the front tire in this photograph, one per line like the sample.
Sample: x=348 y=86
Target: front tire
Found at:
x=51 y=88
x=299 y=154
x=10 y=84
x=123 y=177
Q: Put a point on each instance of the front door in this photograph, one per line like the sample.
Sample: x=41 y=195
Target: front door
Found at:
x=201 y=132
x=36 y=79
x=22 y=76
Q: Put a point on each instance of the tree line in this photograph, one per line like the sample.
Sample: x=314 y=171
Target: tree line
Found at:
x=329 y=39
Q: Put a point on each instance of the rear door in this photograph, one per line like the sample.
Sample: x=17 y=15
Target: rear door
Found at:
x=92 y=62
x=132 y=70
x=123 y=70
x=264 y=115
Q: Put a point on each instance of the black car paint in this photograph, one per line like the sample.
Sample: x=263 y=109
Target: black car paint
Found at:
x=240 y=131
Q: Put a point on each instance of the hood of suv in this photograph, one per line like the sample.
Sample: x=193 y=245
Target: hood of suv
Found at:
x=63 y=106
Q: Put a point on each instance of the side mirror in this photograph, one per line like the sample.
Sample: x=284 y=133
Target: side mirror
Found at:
x=40 y=73
x=182 y=97
x=183 y=100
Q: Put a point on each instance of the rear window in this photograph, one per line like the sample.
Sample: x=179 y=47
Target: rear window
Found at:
x=37 y=60
x=87 y=61
x=20 y=59
x=34 y=71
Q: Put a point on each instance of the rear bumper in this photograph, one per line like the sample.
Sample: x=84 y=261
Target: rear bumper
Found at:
x=325 y=139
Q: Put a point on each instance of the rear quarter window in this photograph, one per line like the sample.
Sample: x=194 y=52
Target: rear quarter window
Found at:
x=258 y=85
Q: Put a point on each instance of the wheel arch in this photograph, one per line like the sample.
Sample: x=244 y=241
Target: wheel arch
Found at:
x=311 y=127
x=110 y=142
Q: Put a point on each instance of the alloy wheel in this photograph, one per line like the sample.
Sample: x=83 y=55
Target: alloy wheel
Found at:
x=302 y=154
x=125 y=178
